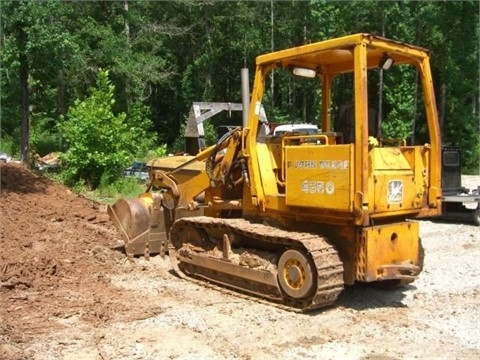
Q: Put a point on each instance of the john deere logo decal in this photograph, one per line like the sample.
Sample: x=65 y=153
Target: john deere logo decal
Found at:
x=395 y=191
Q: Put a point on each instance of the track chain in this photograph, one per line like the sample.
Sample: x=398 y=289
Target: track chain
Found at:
x=324 y=256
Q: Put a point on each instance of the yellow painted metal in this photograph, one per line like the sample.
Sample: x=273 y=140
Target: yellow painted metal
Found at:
x=189 y=166
x=192 y=188
x=388 y=159
x=269 y=182
x=335 y=55
x=340 y=189
x=361 y=130
x=393 y=179
x=435 y=170
x=399 y=177
x=250 y=144
x=353 y=53
x=386 y=247
x=394 y=192
x=319 y=176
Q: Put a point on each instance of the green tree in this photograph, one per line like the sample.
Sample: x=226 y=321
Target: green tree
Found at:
x=35 y=51
x=99 y=142
x=168 y=54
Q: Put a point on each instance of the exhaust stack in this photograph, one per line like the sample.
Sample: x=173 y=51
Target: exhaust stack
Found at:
x=245 y=95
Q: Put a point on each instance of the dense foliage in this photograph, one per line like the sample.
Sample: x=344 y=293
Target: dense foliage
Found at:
x=162 y=56
x=98 y=142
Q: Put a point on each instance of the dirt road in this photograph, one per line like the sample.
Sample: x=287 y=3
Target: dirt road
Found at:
x=68 y=292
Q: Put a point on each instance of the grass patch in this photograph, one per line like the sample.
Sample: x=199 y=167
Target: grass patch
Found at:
x=106 y=193
x=125 y=187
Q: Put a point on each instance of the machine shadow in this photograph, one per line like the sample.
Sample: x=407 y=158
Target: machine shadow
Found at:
x=119 y=248
x=362 y=296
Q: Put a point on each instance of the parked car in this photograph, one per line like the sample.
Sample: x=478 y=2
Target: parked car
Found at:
x=304 y=129
x=4 y=157
x=138 y=170
x=49 y=162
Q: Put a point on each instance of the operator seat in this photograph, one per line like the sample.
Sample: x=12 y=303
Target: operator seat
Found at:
x=345 y=122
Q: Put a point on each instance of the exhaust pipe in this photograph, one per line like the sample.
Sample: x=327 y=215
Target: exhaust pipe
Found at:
x=245 y=95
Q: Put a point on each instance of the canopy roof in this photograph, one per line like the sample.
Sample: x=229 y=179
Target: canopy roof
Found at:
x=336 y=56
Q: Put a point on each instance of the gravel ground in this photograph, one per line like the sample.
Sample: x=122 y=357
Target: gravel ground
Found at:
x=435 y=318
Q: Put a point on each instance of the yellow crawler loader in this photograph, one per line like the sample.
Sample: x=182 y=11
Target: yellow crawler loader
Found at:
x=291 y=219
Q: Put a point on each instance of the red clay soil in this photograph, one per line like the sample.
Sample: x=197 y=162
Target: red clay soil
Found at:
x=57 y=253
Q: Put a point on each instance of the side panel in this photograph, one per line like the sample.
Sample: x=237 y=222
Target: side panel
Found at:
x=319 y=176
x=399 y=180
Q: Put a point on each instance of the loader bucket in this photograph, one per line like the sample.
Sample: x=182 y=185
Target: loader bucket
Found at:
x=141 y=223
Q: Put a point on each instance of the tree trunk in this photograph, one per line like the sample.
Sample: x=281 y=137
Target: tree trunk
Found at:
x=208 y=76
x=127 y=26
x=380 y=103
x=25 y=101
x=127 y=36
x=272 y=48
x=443 y=105
x=61 y=94
x=415 y=106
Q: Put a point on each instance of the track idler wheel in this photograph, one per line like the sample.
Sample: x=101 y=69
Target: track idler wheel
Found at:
x=196 y=238
x=296 y=274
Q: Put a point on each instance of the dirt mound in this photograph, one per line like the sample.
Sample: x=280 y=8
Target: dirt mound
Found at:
x=55 y=248
x=47 y=231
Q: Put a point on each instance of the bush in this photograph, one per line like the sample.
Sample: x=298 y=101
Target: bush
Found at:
x=9 y=146
x=99 y=142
